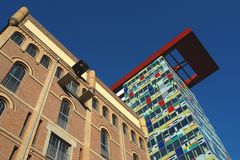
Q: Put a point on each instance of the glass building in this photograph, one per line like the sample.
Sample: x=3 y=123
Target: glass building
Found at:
x=158 y=90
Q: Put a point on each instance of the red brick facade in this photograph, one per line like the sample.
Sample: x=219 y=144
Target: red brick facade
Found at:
x=25 y=102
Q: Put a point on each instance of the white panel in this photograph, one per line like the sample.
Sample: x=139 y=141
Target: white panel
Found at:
x=120 y=92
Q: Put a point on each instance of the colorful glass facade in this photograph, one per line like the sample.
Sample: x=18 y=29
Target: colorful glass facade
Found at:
x=177 y=125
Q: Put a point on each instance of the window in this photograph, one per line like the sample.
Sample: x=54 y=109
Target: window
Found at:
x=57 y=148
x=63 y=114
x=17 y=38
x=141 y=143
x=135 y=157
x=95 y=103
x=105 y=112
x=14 y=77
x=2 y=106
x=72 y=87
x=170 y=147
x=31 y=50
x=114 y=120
x=45 y=61
x=133 y=136
x=125 y=129
x=59 y=72
x=176 y=144
x=104 y=144
x=197 y=151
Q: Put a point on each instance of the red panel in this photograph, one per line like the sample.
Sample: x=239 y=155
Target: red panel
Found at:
x=161 y=103
x=169 y=75
x=170 y=109
x=131 y=94
x=157 y=75
x=148 y=101
x=142 y=78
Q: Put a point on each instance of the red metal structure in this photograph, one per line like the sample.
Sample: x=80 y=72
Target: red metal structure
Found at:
x=193 y=52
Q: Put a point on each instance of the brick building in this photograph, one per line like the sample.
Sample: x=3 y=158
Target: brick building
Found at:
x=52 y=106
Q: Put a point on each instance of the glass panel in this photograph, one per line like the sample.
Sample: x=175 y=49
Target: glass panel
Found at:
x=14 y=77
x=45 y=61
x=31 y=50
x=63 y=114
x=95 y=104
x=104 y=144
x=17 y=38
x=58 y=73
x=72 y=87
x=58 y=149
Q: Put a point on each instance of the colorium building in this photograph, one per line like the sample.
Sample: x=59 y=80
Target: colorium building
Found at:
x=159 y=90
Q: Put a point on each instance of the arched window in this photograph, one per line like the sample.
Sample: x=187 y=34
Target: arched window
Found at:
x=135 y=156
x=45 y=61
x=141 y=143
x=14 y=77
x=95 y=103
x=2 y=106
x=125 y=128
x=133 y=136
x=63 y=114
x=105 y=112
x=17 y=38
x=104 y=144
x=59 y=72
x=114 y=120
x=31 y=50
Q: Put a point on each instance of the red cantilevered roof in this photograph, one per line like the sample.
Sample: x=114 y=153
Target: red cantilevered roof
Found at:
x=191 y=49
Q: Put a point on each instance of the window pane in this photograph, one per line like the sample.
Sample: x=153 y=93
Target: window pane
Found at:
x=104 y=144
x=45 y=61
x=105 y=112
x=72 y=87
x=95 y=104
x=59 y=73
x=63 y=115
x=14 y=77
x=17 y=38
x=133 y=136
x=58 y=148
x=114 y=120
x=31 y=50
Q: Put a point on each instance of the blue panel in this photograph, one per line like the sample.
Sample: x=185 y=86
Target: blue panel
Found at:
x=161 y=145
x=149 y=123
x=179 y=151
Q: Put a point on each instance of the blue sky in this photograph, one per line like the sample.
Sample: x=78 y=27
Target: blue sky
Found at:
x=115 y=36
